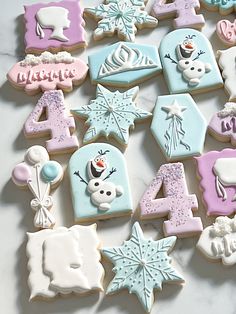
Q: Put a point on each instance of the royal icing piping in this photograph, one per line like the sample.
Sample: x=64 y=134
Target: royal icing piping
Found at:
x=218 y=241
x=217 y=179
x=173 y=128
x=177 y=203
x=47 y=72
x=121 y=16
x=225 y=6
x=54 y=26
x=142 y=265
x=226 y=32
x=99 y=180
x=188 y=62
x=39 y=175
x=111 y=113
x=64 y=261
x=184 y=10
x=227 y=63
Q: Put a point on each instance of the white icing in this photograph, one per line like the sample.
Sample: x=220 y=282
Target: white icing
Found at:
x=55 y=18
x=47 y=57
x=64 y=261
x=222 y=226
x=228 y=111
x=124 y=59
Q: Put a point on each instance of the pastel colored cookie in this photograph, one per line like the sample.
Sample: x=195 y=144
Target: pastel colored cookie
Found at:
x=57 y=123
x=226 y=32
x=217 y=172
x=39 y=175
x=223 y=124
x=218 y=241
x=47 y=71
x=142 y=265
x=99 y=183
x=62 y=261
x=122 y=17
x=177 y=204
x=124 y=64
x=227 y=64
x=225 y=7
x=54 y=26
x=111 y=114
x=178 y=126
x=184 y=12
x=188 y=62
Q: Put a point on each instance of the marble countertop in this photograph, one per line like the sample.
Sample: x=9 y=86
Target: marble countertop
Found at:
x=209 y=287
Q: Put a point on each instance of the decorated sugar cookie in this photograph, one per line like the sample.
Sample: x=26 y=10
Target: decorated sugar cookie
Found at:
x=226 y=32
x=178 y=126
x=39 y=174
x=184 y=10
x=54 y=26
x=218 y=241
x=123 y=17
x=217 y=172
x=47 y=72
x=225 y=7
x=99 y=183
x=62 y=261
x=141 y=266
x=227 y=64
x=223 y=124
x=188 y=62
x=124 y=64
x=111 y=114
x=177 y=204
x=57 y=124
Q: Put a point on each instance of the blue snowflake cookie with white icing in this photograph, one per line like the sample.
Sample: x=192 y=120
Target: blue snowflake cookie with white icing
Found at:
x=225 y=7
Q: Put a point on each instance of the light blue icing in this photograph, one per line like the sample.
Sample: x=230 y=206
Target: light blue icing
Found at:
x=148 y=55
x=84 y=208
x=222 y=4
x=142 y=265
x=174 y=77
x=178 y=137
x=50 y=171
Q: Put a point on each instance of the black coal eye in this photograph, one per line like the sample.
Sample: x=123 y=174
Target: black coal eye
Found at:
x=199 y=70
x=101 y=192
x=186 y=62
x=96 y=184
x=192 y=68
x=108 y=193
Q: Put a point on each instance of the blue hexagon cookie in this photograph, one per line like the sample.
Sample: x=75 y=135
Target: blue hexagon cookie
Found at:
x=124 y=64
x=178 y=126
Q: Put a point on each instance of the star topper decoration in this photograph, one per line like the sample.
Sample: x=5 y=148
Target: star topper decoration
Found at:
x=121 y=16
x=142 y=265
x=174 y=110
x=111 y=113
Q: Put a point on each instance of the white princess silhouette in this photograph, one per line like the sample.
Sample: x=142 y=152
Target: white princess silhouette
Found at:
x=55 y=18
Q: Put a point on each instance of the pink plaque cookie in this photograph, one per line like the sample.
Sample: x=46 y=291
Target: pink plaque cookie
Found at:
x=176 y=203
x=54 y=26
x=47 y=72
x=217 y=171
x=226 y=32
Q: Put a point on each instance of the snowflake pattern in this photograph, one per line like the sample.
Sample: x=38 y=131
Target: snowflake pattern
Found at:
x=142 y=265
x=111 y=113
x=121 y=16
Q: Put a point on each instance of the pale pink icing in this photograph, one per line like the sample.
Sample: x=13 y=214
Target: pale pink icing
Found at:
x=58 y=124
x=184 y=10
x=226 y=31
x=177 y=203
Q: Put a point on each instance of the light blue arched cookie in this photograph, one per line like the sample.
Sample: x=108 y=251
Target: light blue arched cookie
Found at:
x=99 y=183
x=188 y=62
x=124 y=64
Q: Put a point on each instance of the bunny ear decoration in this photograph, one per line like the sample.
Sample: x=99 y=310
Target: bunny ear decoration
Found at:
x=39 y=31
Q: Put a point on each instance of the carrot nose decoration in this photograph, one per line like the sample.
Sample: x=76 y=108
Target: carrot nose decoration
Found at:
x=189 y=46
x=100 y=163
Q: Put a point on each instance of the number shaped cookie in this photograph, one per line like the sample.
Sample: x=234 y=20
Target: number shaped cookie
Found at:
x=177 y=203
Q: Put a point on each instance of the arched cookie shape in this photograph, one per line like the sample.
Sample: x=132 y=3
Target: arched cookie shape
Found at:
x=54 y=26
x=225 y=7
x=188 y=62
x=99 y=183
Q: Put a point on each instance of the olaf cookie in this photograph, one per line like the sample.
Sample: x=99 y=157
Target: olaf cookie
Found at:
x=99 y=183
x=217 y=174
x=39 y=175
x=188 y=62
x=225 y=7
x=62 y=261
x=178 y=126
x=111 y=114
x=54 y=26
